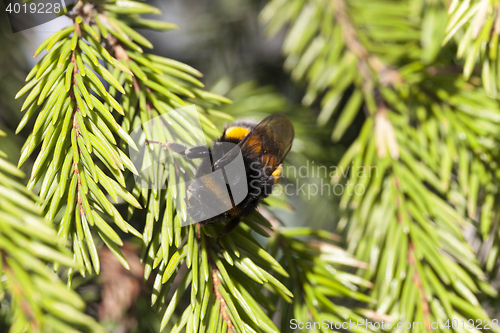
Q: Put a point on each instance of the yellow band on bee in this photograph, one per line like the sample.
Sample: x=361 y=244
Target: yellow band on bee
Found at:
x=279 y=170
x=237 y=133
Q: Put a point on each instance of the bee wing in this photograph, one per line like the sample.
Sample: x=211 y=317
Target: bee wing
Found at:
x=268 y=143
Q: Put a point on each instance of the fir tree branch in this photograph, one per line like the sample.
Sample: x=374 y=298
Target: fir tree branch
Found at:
x=481 y=22
x=434 y=139
x=387 y=75
x=38 y=299
x=76 y=131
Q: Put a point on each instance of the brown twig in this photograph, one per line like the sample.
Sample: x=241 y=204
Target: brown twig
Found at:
x=387 y=75
x=223 y=304
x=75 y=122
x=418 y=283
x=367 y=63
x=18 y=289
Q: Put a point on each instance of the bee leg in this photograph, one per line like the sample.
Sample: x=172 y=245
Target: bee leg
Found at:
x=197 y=152
x=190 y=153
x=206 y=224
x=227 y=229
x=172 y=146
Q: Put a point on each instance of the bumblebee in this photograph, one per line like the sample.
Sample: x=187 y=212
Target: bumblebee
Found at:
x=237 y=171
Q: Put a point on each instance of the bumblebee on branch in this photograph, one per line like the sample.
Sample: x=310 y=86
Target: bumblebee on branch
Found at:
x=237 y=171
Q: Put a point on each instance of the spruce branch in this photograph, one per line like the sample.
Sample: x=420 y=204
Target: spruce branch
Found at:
x=223 y=282
x=478 y=43
x=319 y=272
x=337 y=54
x=79 y=160
x=38 y=299
x=440 y=165
x=159 y=85
x=388 y=76
x=226 y=284
x=417 y=199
